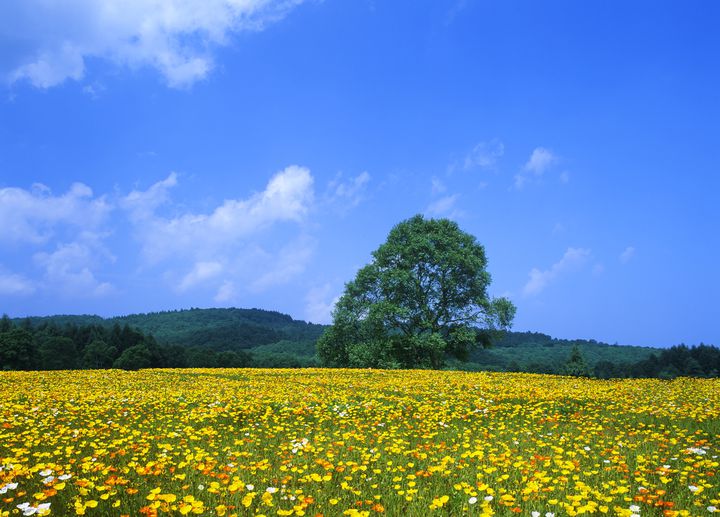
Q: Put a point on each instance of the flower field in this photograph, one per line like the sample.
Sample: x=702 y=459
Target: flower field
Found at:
x=355 y=442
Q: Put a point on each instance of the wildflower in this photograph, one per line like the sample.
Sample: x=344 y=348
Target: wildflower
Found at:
x=473 y=500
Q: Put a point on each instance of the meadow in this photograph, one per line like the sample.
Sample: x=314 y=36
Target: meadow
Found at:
x=355 y=442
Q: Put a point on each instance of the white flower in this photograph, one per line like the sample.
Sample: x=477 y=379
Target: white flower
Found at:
x=634 y=508
x=693 y=488
x=634 y=515
x=27 y=509
x=271 y=489
x=250 y=487
x=472 y=500
x=535 y=514
x=712 y=509
x=488 y=498
x=201 y=487
x=64 y=477
x=45 y=472
x=586 y=448
x=48 y=480
x=549 y=514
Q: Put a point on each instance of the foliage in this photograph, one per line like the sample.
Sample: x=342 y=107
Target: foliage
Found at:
x=422 y=298
x=576 y=365
x=64 y=343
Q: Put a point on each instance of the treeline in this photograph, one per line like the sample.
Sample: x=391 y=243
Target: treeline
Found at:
x=63 y=344
x=677 y=361
x=48 y=346
x=216 y=329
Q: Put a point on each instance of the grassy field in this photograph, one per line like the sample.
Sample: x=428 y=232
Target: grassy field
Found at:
x=355 y=442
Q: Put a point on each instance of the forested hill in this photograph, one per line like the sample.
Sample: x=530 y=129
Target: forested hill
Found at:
x=254 y=337
x=217 y=329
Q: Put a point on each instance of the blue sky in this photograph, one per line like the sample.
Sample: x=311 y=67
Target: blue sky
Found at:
x=213 y=153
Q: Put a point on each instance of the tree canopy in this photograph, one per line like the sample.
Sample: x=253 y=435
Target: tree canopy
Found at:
x=423 y=297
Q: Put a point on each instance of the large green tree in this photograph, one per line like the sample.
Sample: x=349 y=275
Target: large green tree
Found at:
x=423 y=297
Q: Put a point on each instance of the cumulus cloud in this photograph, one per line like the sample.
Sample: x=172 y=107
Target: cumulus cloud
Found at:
x=540 y=279
x=627 y=254
x=52 y=42
x=348 y=193
x=287 y=197
x=226 y=249
x=32 y=216
x=13 y=284
x=68 y=269
x=539 y=162
x=319 y=304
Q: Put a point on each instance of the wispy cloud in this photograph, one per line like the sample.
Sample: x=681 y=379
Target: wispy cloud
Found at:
x=13 y=284
x=51 y=42
x=539 y=162
x=540 y=279
x=627 y=254
x=345 y=194
x=437 y=186
x=201 y=272
x=319 y=303
x=484 y=155
x=444 y=207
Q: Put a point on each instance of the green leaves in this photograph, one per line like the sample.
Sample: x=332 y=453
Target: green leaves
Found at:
x=423 y=296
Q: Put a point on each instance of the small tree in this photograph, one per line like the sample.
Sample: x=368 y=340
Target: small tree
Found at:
x=576 y=365
x=134 y=358
x=423 y=297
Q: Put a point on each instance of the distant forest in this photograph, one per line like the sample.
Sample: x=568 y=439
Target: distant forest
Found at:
x=257 y=338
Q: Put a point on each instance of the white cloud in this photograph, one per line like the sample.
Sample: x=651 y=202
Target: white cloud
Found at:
x=227 y=249
x=226 y=292
x=286 y=265
x=445 y=206
x=12 y=284
x=201 y=272
x=347 y=194
x=68 y=269
x=539 y=162
x=627 y=254
x=438 y=187
x=51 y=41
x=287 y=197
x=142 y=205
x=319 y=304
x=484 y=155
x=539 y=280
x=33 y=216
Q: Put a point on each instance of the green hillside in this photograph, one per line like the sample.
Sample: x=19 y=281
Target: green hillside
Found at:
x=277 y=339
x=217 y=329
